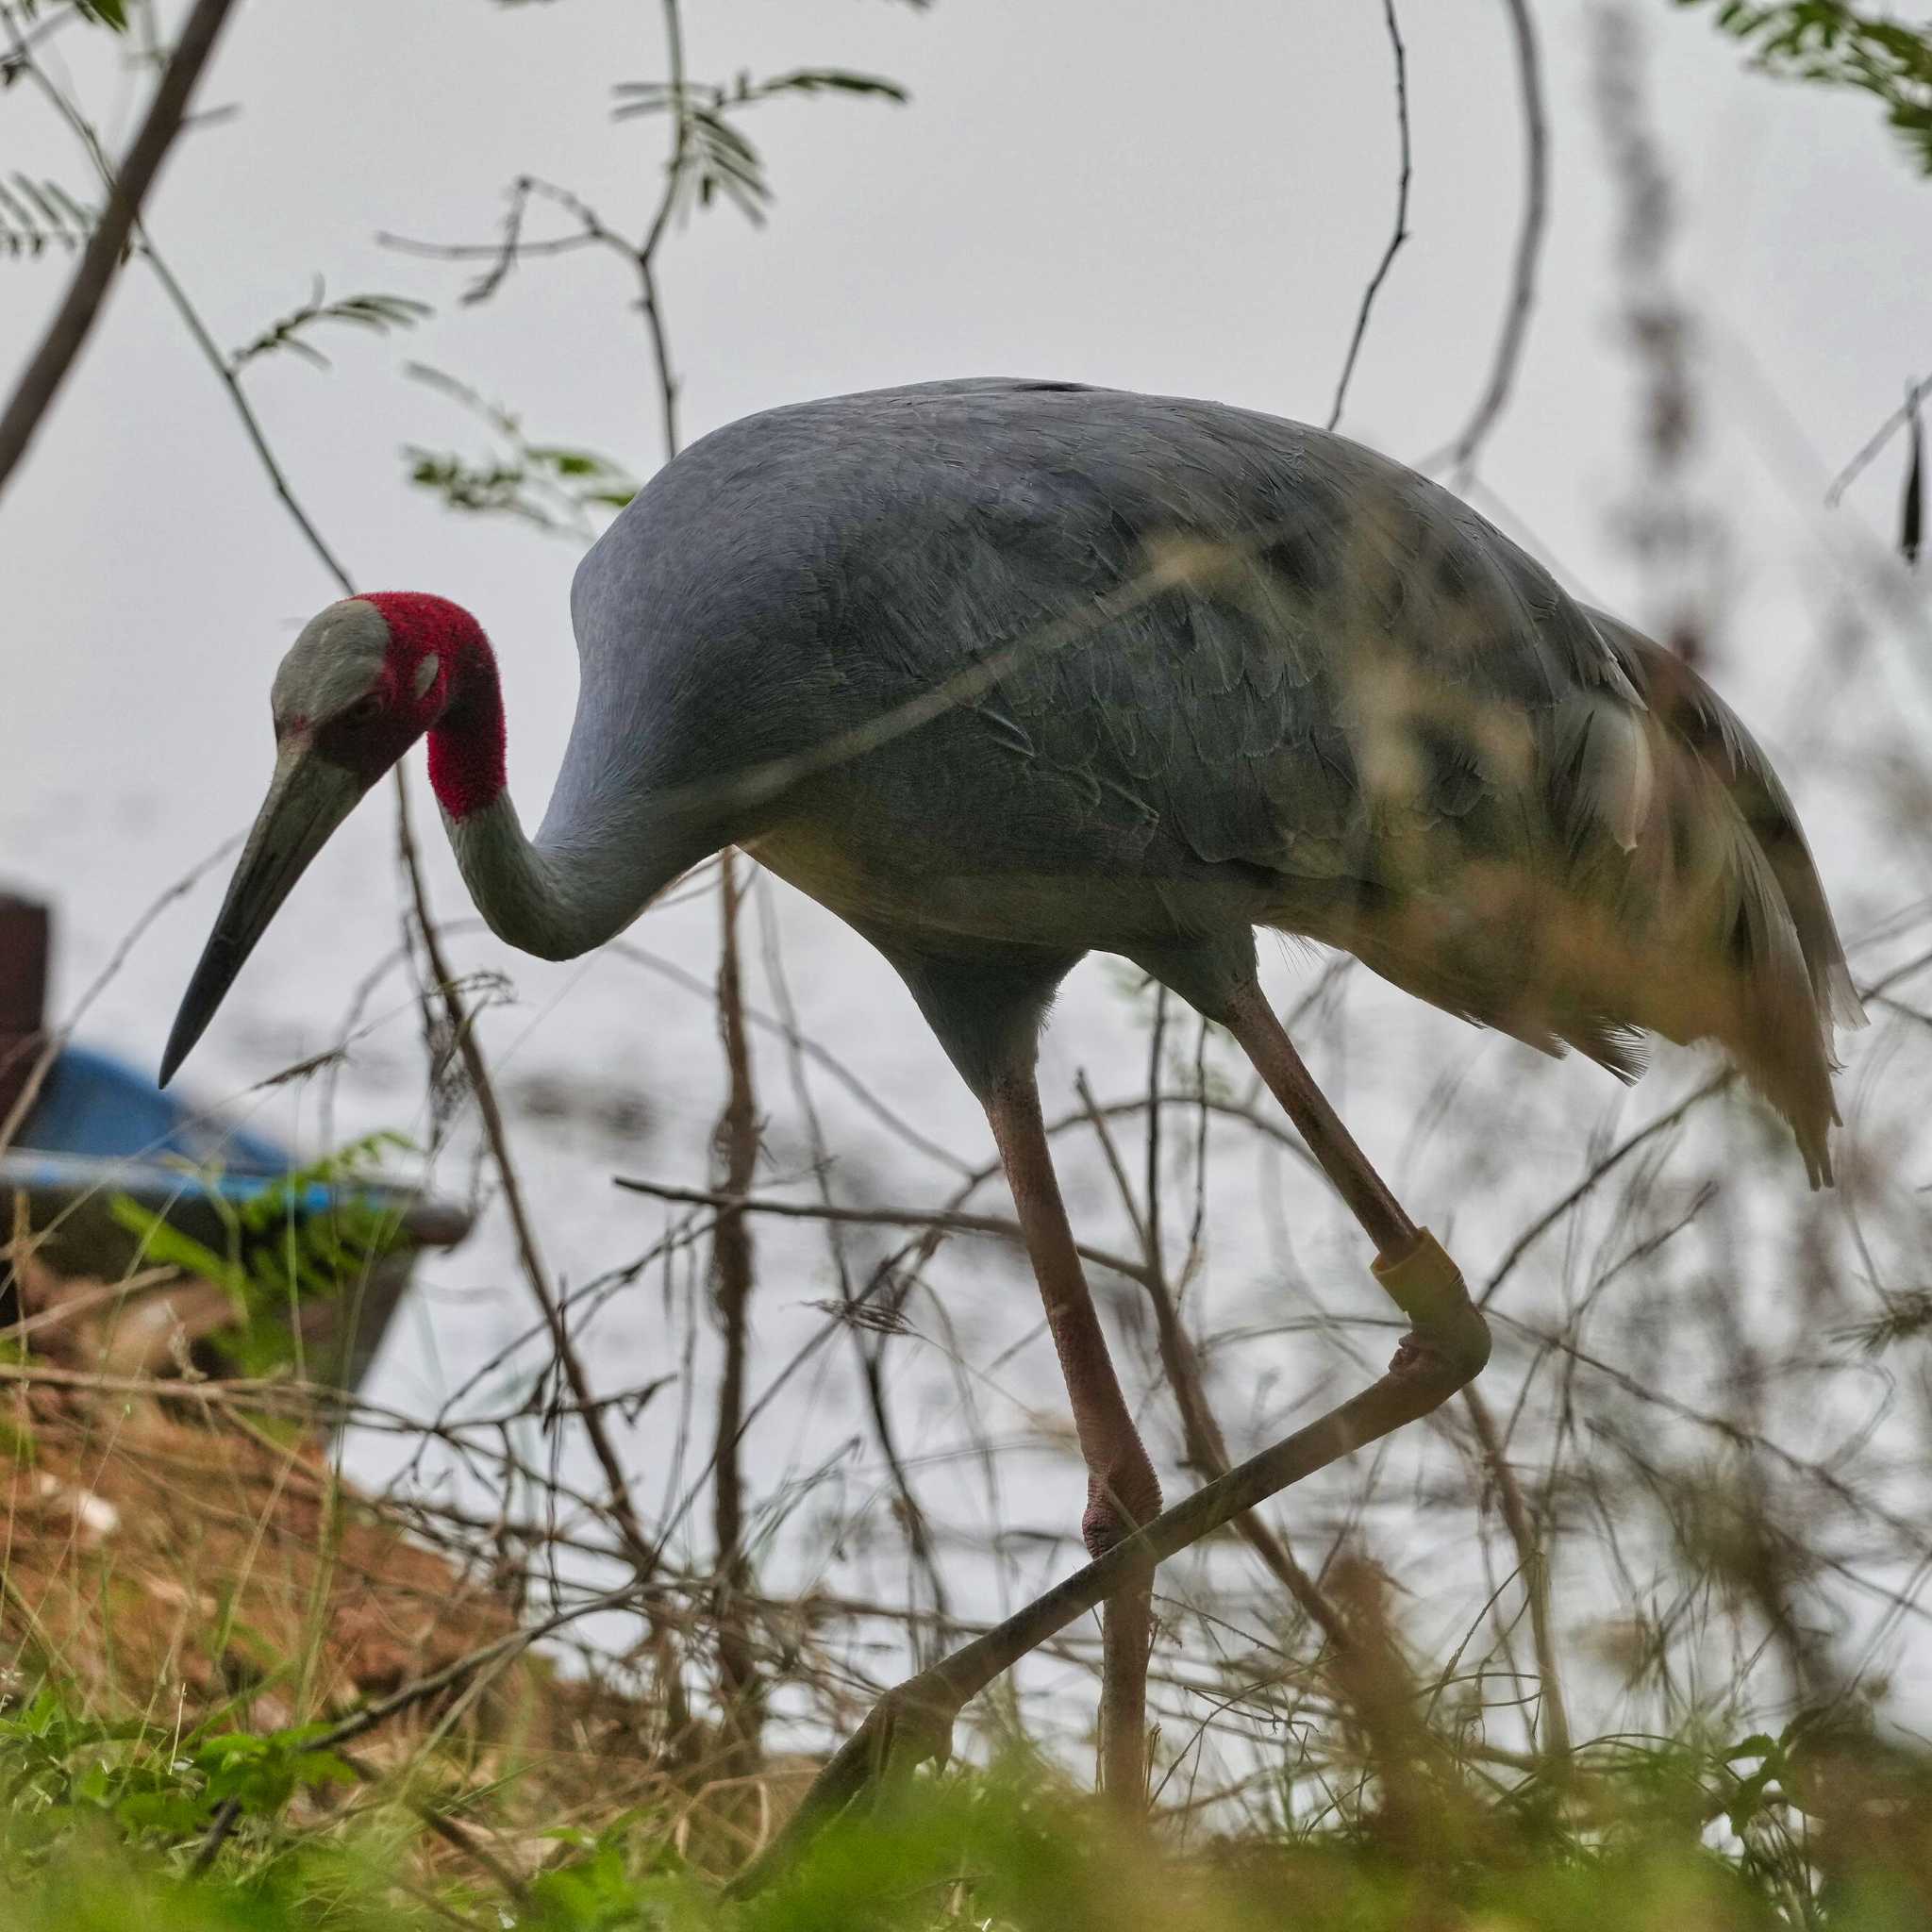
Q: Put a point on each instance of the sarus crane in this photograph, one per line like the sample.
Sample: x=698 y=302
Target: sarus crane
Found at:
x=1006 y=671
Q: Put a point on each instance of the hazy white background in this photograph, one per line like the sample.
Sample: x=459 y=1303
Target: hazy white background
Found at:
x=1171 y=197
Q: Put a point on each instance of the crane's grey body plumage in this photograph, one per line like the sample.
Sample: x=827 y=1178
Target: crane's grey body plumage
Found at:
x=1249 y=672
x=1003 y=673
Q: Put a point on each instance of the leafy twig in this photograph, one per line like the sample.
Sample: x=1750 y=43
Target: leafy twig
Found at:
x=712 y=159
x=551 y=486
x=377 y=313
x=38 y=215
x=1830 y=43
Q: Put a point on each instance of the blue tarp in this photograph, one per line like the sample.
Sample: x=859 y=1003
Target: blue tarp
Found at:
x=92 y=1105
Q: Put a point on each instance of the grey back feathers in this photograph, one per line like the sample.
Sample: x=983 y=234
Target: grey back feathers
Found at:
x=1214 y=670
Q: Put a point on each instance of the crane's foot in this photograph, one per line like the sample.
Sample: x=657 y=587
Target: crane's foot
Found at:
x=1446 y=1347
x=910 y=1725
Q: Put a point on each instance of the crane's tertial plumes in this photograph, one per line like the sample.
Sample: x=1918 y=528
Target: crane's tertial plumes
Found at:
x=1003 y=673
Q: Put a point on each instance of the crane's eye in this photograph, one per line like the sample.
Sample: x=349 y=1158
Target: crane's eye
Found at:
x=365 y=710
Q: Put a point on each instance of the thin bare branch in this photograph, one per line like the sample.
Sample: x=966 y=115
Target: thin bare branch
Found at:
x=637 y=1544
x=107 y=247
x=1460 y=453
x=1533 y=1563
x=996 y=1226
x=1873 y=447
x=1400 y=233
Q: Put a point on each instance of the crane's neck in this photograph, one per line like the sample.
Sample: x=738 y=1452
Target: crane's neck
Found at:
x=572 y=887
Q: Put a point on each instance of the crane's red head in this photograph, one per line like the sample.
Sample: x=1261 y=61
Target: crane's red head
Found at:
x=362 y=683
x=372 y=674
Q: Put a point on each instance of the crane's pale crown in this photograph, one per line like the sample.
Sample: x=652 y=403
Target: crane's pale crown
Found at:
x=339 y=657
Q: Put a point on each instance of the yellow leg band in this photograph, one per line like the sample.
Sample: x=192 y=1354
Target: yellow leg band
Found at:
x=1424 y=1283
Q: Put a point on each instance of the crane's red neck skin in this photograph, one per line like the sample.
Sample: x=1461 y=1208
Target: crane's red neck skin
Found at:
x=459 y=702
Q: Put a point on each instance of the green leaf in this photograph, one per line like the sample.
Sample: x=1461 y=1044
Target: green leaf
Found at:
x=553 y=487
x=17 y=1447
x=165 y=1245
x=587 y=1895
x=171 y=1813
x=1830 y=43
x=107 y=13
x=713 y=159
x=283 y=1249
x=379 y=314
x=39 y=214
x=819 y=80
x=261 y=1773
x=567 y=462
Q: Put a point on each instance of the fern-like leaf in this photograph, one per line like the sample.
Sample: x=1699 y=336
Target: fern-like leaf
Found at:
x=378 y=314
x=550 y=486
x=37 y=216
x=715 y=161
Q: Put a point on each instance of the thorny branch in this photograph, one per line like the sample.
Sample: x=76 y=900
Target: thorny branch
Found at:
x=1560 y=1208
x=736 y=1138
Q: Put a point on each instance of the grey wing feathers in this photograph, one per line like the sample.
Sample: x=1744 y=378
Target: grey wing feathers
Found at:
x=1240 y=651
x=1521 y=811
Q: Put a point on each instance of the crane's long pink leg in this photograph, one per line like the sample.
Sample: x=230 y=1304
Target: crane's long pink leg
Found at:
x=1265 y=1040
x=1123 y=1492
x=1444 y=1348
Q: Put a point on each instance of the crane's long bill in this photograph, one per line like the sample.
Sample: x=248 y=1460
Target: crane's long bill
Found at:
x=306 y=800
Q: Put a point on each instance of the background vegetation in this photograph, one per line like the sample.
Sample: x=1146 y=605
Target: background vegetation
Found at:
x=1632 y=1636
